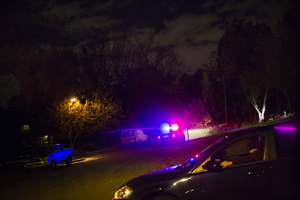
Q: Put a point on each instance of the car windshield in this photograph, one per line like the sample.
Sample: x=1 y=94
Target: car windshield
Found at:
x=127 y=134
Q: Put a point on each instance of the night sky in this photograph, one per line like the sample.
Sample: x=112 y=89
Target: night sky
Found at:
x=190 y=26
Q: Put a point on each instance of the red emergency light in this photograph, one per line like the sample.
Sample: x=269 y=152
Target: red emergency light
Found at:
x=174 y=127
x=166 y=128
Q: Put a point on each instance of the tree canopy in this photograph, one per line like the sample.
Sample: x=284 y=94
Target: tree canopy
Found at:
x=251 y=62
x=77 y=116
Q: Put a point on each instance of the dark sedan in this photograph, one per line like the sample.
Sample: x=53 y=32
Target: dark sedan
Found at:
x=254 y=163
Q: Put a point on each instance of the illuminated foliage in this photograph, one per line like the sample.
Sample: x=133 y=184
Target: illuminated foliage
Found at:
x=74 y=118
x=196 y=115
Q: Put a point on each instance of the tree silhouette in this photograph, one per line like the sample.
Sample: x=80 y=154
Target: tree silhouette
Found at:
x=250 y=61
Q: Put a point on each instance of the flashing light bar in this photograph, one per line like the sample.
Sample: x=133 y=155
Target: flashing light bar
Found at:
x=166 y=128
x=174 y=127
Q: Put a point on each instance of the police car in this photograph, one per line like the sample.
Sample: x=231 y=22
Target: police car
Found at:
x=171 y=134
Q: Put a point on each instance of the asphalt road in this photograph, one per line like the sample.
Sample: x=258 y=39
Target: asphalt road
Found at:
x=94 y=175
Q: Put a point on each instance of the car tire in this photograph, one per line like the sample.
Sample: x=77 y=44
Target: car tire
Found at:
x=164 y=197
x=139 y=143
x=52 y=165
x=69 y=160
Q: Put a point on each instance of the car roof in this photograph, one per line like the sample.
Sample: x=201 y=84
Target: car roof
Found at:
x=248 y=131
x=258 y=128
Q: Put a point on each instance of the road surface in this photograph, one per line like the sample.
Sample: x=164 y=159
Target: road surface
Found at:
x=94 y=175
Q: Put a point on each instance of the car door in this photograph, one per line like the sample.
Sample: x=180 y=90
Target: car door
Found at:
x=283 y=168
x=127 y=137
x=57 y=154
x=244 y=180
x=62 y=155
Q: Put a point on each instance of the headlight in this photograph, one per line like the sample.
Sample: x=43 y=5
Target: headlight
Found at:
x=123 y=193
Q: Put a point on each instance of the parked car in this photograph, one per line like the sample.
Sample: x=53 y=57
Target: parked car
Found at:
x=133 y=138
x=14 y=157
x=254 y=163
x=50 y=156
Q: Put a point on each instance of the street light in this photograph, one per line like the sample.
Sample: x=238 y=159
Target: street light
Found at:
x=73 y=103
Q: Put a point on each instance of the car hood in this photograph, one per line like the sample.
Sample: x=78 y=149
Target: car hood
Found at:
x=159 y=177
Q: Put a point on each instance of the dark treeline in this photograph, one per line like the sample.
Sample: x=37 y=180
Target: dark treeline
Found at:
x=251 y=77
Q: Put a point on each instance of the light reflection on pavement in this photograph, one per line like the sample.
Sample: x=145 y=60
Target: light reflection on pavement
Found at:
x=83 y=160
x=87 y=159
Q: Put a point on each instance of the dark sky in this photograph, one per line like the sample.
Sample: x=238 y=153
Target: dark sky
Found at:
x=190 y=26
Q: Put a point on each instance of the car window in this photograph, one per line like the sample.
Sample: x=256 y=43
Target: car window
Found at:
x=61 y=148
x=127 y=134
x=240 y=152
x=56 y=149
x=199 y=168
x=244 y=151
x=238 y=148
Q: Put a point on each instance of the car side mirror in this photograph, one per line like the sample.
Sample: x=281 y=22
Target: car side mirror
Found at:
x=212 y=165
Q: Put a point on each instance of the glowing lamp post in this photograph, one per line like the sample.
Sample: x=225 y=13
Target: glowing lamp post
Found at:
x=73 y=103
x=73 y=100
